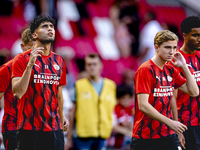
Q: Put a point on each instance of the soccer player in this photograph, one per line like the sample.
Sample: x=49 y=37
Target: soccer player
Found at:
x=155 y=82
x=27 y=40
x=9 y=123
x=37 y=79
x=189 y=107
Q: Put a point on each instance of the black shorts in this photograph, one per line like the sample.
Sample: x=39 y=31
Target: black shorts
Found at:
x=192 y=138
x=170 y=142
x=10 y=140
x=39 y=140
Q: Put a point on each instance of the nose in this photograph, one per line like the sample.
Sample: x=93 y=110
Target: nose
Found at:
x=171 y=51
x=49 y=28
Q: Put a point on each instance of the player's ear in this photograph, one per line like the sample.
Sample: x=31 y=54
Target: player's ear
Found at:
x=34 y=35
x=22 y=46
x=156 y=47
x=184 y=36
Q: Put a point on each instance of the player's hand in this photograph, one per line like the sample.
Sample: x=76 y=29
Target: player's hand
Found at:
x=181 y=140
x=35 y=52
x=178 y=60
x=65 y=124
x=177 y=126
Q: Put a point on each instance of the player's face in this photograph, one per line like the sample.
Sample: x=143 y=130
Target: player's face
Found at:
x=167 y=50
x=46 y=32
x=193 y=39
x=93 y=66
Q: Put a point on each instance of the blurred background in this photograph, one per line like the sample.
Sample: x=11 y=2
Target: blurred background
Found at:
x=120 y=31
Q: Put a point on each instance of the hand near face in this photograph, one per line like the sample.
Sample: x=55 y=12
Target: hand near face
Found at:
x=35 y=52
x=178 y=60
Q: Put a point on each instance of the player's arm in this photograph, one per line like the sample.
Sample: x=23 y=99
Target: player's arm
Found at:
x=149 y=110
x=60 y=103
x=63 y=119
x=174 y=106
x=20 y=84
x=190 y=87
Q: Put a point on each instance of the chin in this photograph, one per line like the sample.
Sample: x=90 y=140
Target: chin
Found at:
x=47 y=41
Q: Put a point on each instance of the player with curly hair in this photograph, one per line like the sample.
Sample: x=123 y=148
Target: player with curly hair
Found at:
x=37 y=79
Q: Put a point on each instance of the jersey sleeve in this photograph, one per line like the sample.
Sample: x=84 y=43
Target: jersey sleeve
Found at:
x=179 y=79
x=63 y=76
x=5 y=76
x=143 y=81
x=18 y=66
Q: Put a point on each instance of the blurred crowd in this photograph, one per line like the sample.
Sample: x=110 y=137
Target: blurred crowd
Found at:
x=121 y=32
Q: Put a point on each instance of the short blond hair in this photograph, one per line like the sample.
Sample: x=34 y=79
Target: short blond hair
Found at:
x=26 y=36
x=164 y=36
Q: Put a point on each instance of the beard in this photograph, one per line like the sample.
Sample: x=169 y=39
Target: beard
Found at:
x=47 y=40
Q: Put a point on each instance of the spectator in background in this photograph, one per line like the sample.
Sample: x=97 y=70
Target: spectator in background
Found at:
x=126 y=12
x=128 y=77
x=123 y=40
x=146 y=40
x=94 y=101
x=122 y=130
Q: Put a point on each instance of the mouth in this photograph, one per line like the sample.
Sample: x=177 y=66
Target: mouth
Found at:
x=169 y=57
x=50 y=34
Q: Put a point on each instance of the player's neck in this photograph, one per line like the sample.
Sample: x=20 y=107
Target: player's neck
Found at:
x=46 y=46
x=158 y=61
x=187 y=49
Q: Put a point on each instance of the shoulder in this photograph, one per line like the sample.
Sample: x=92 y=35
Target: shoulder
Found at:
x=146 y=67
x=22 y=55
x=81 y=81
x=109 y=82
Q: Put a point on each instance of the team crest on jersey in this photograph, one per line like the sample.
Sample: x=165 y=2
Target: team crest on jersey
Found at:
x=169 y=78
x=56 y=66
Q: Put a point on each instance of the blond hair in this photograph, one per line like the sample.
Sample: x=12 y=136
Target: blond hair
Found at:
x=26 y=36
x=164 y=36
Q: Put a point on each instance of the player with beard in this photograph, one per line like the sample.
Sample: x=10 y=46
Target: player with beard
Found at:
x=189 y=107
x=9 y=123
x=37 y=79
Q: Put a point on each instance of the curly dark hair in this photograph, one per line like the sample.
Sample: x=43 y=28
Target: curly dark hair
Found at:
x=40 y=19
x=189 y=23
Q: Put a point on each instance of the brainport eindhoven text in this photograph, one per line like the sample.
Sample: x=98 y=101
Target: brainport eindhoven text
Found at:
x=46 y=79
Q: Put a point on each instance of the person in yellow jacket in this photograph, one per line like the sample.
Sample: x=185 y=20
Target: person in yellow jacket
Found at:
x=94 y=100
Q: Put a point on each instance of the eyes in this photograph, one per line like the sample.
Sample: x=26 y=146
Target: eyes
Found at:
x=169 y=47
x=46 y=26
x=196 y=35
